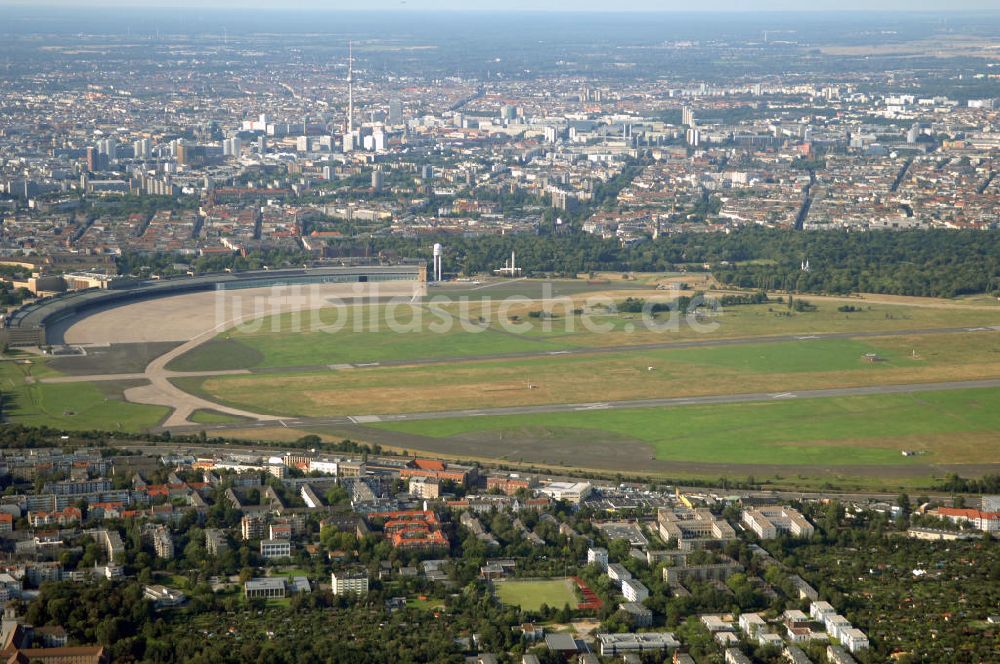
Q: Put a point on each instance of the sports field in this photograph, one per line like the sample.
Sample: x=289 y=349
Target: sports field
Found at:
x=531 y=595
x=948 y=427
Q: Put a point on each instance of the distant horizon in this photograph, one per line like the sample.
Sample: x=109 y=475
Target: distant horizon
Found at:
x=537 y=7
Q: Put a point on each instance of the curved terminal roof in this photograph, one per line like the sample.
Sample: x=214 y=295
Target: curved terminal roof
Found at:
x=50 y=309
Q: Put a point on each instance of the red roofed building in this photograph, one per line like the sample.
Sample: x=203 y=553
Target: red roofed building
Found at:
x=413 y=529
x=6 y=522
x=986 y=521
x=509 y=484
x=463 y=475
x=61 y=518
x=167 y=490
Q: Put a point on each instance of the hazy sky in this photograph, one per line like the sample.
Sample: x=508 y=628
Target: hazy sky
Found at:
x=545 y=5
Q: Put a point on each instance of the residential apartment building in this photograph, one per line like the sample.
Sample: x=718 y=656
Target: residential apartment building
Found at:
x=634 y=590
x=215 y=541
x=853 y=639
x=163 y=543
x=683 y=573
x=598 y=556
x=988 y=522
x=618 y=573
x=734 y=656
x=253 y=527
x=113 y=546
x=692 y=528
x=769 y=522
x=63 y=517
x=837 y=655
x=640 y=615
x=425 y=487
x=509 y=484
x=349 y=583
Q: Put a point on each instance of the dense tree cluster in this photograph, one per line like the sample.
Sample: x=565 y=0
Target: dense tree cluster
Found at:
x=988 y=484
x=926 y=263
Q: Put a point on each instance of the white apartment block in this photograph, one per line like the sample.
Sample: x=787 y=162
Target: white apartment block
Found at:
x=853 y=639
x=634 y=590
x=598 y=556
x=618 y=573
x=349 y=583
x=818 y=610
x=751 y=624
x=769 y=522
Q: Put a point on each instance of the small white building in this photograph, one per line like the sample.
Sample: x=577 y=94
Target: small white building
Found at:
x=715 y=623
x=853 y=639
x=819 y=610
x=836 y=624
x=751 y=624
x=598 y=556
x=618 y=573
x=572 y=492
x=635 y=590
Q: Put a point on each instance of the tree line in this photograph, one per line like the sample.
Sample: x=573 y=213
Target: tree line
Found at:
x=938 y=263
x=930 y=263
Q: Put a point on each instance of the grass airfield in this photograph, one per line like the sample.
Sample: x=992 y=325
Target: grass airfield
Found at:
x=460 y=355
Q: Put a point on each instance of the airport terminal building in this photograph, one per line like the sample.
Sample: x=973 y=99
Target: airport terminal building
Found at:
x=28 y=325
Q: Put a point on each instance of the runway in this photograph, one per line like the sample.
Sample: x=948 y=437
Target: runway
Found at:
x=587 y=350
x=161 y=391
x=674 y=402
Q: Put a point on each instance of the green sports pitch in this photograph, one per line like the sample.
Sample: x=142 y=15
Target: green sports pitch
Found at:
x=531 y=595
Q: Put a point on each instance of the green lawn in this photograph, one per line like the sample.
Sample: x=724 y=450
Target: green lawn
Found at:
x=790 y=357
x=173 y=581
x=950 y=426
x=366 y=334
x=637 y=374
x=429 y=604
x=530 y=595
x=204 y=416
x=71 y=406
x=293 y=571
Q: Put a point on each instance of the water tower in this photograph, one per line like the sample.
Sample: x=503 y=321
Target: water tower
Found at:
x=438 y=249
